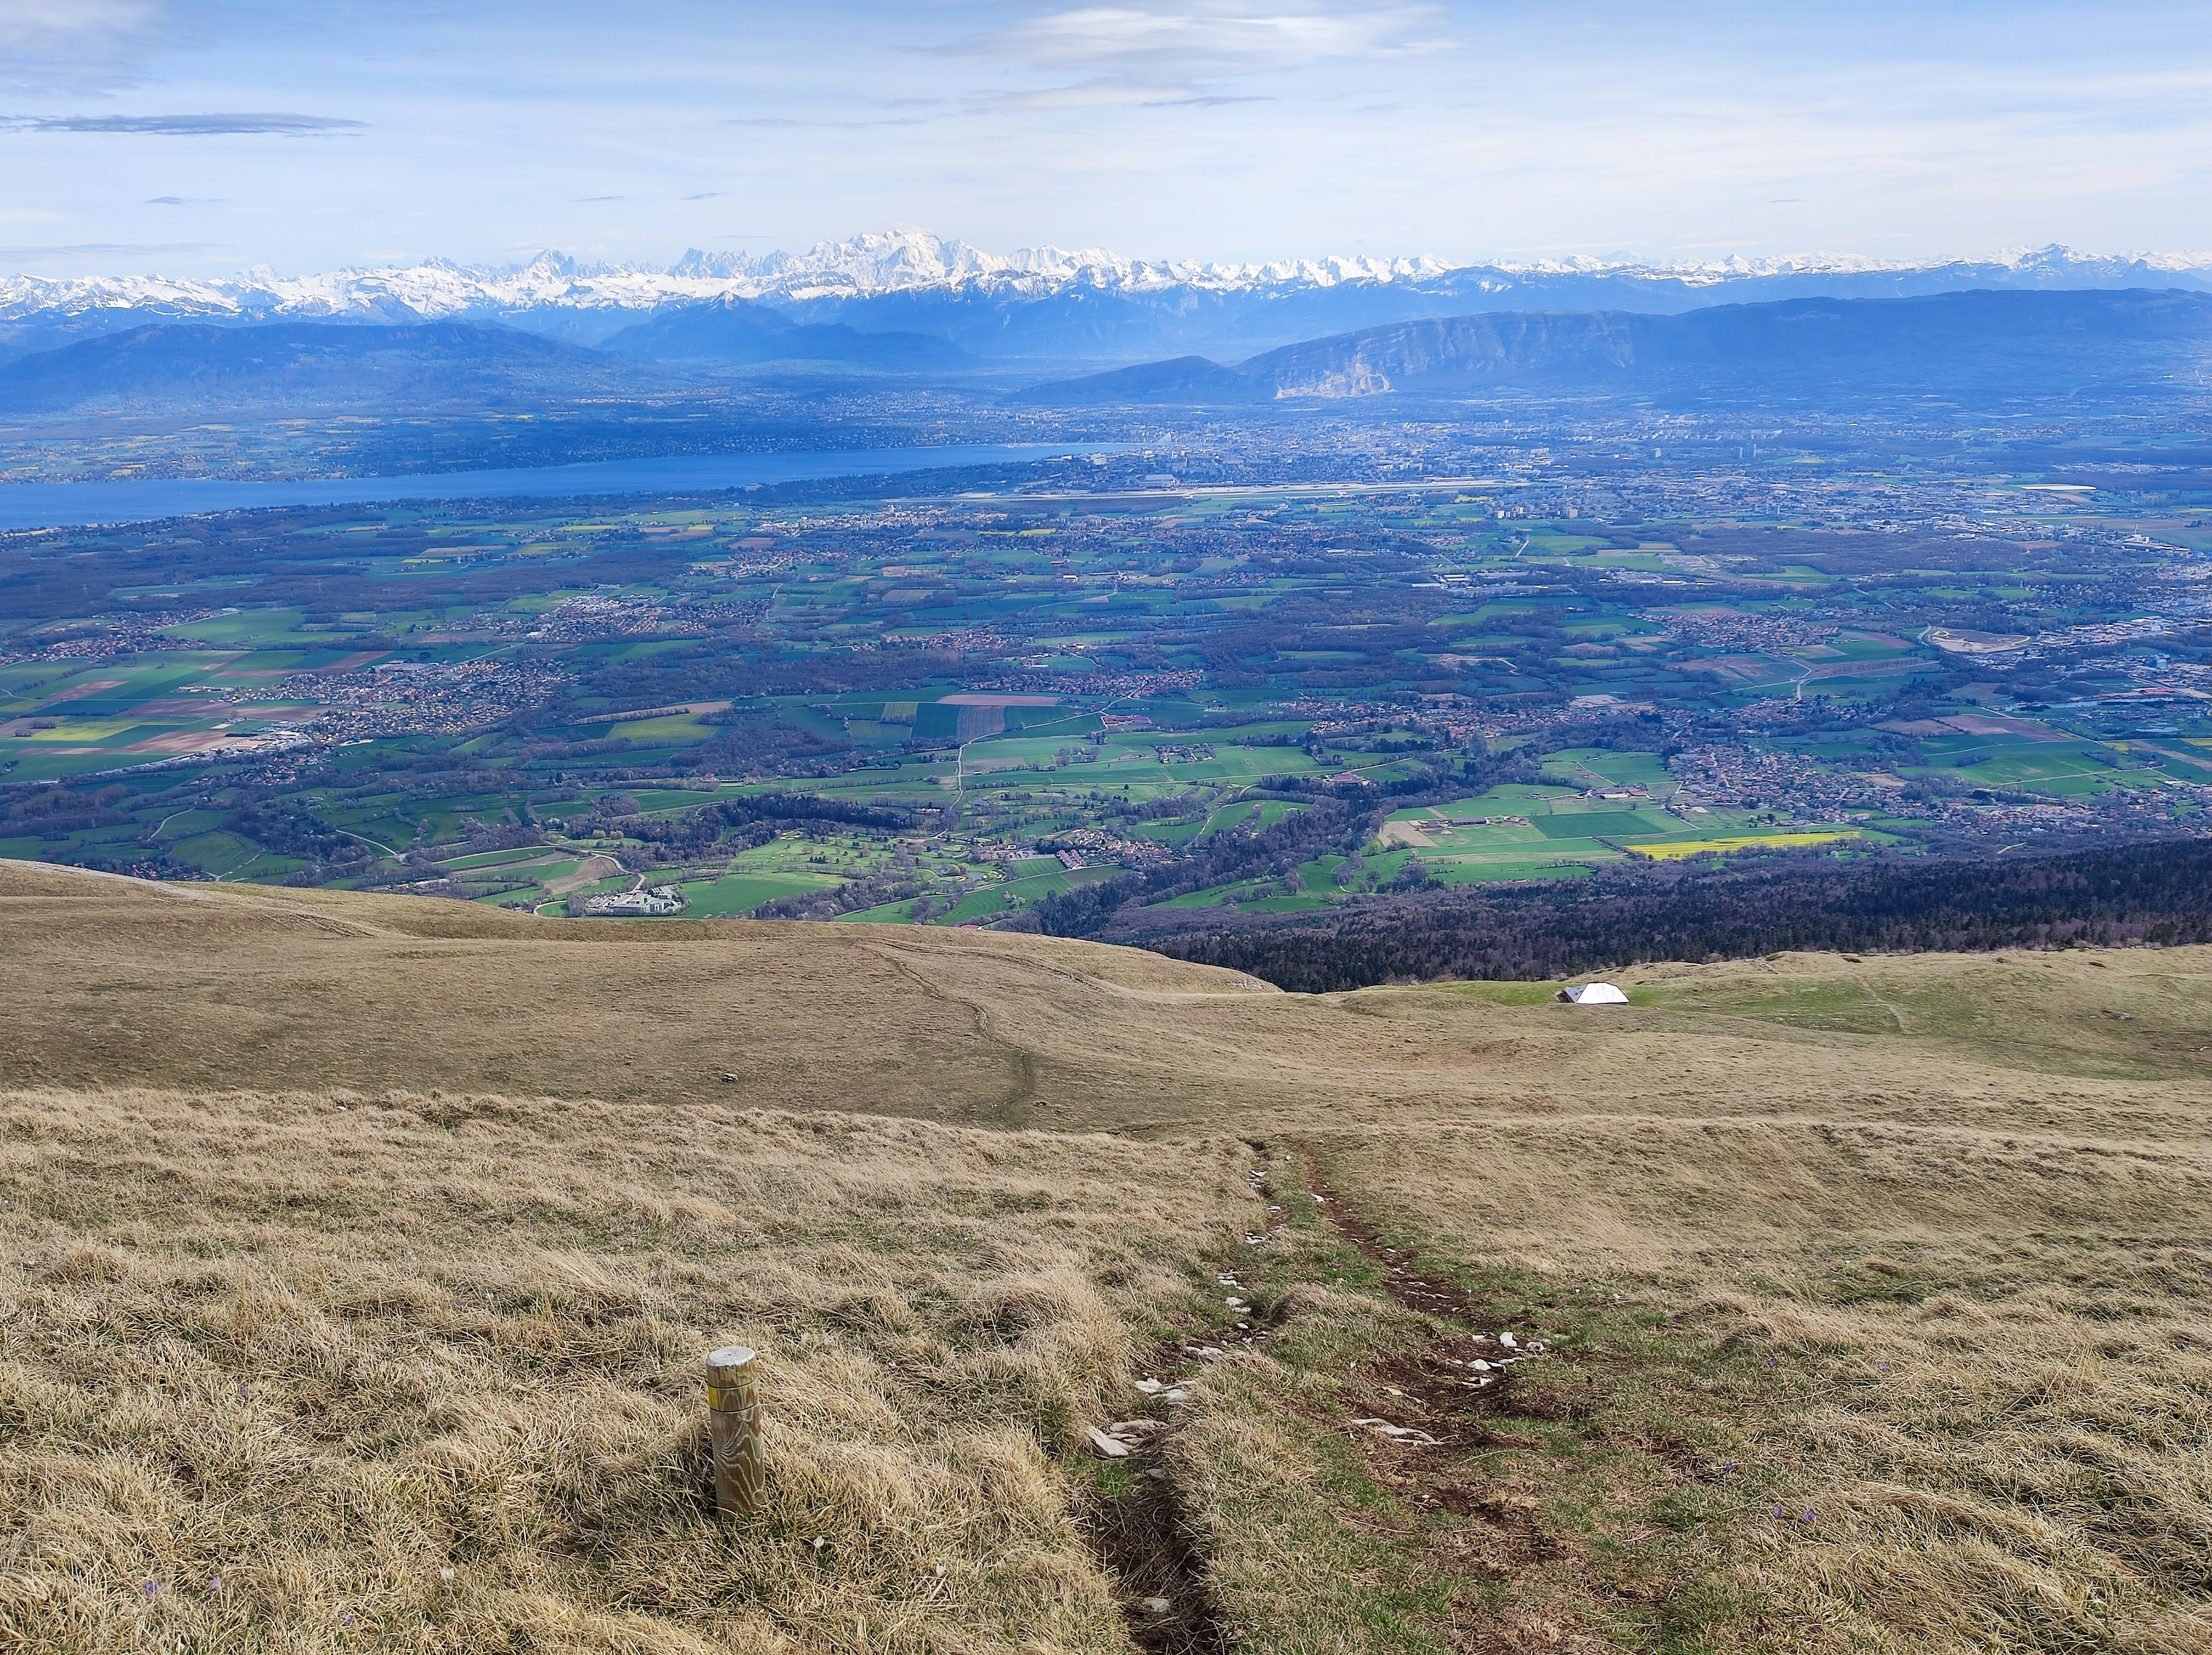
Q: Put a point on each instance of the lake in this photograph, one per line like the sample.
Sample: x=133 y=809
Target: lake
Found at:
x=71 y=505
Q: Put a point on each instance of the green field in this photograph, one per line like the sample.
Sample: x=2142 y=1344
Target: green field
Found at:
x=463 y=671
x=1564 y=835
x=741 y=892
x=2073 y=770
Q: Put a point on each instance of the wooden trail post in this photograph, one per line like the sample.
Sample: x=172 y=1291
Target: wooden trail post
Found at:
x=733 y=1407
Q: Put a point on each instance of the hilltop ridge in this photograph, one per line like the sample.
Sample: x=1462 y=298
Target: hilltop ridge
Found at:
x=369 y=1246
x=1821 y=350
x=127 y=981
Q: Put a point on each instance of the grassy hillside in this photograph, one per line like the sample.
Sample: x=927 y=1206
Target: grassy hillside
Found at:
x=359 y=1241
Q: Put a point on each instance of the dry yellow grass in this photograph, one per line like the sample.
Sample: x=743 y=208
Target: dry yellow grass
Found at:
x=1989 y=1415
x=200 y=986
x=1977 y=1316
x=118 y=982
x=269 y=1367
x=1960 y=1204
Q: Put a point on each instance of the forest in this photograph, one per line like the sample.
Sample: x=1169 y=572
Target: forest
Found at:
x=2158 y=894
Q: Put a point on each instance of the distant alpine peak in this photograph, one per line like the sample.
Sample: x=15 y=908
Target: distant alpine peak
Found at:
x=897 y=261
x=913 y=261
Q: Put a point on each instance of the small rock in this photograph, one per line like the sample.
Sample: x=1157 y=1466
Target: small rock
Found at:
x=1159 y=1605
x=1135 y=1428
x=1147 y=1387
x=1104 y=1446
x=728 y=1075
x=1399 y=1433
x=1507 y=1340
x=1175 y=1397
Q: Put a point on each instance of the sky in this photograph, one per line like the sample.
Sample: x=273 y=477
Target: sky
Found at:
x=195 y=139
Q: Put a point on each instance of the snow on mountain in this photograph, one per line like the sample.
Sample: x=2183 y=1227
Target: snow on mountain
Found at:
x=911 y=261
x=902 y=261
x=911 y=279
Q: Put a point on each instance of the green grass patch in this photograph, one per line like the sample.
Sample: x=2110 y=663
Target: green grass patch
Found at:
x=1610 y=824
x=741 y=892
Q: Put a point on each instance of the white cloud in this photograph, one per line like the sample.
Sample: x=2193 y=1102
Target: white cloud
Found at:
x=79 y=46
x=102 y=250
x=182 y=126
x=1231 y=129
x=1162 y=53
x=1212 y=39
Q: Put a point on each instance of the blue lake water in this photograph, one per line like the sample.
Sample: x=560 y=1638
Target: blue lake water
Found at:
x=70 y=504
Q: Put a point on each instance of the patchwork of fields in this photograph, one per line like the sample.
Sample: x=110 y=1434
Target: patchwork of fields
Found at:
x=1003 y=699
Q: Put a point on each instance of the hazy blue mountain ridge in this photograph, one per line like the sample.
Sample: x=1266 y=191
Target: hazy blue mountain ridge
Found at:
x=741 y=331
x=1041 y=306
x=306 y=364
x=2082 y=343
x=2064 y=342
x=1089 y=324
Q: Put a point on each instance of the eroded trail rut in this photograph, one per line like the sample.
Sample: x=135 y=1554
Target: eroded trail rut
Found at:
x=1141 y=1538
x=1416 y=1413
x=1448 y=1399
x=1461 y=1380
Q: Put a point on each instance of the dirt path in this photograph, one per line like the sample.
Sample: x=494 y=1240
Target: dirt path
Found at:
x=1139 y=1535
x=1134 y=1522
x=1415 y=1415
x=1430 y=1421
x=1452 y=1388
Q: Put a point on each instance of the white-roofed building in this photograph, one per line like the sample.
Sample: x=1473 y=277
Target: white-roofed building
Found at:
x=1594 y=994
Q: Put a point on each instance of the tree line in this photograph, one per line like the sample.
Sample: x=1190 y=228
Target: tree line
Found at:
x=2157 y=892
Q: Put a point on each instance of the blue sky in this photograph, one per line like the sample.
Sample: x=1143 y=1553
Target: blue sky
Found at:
x=196 y=138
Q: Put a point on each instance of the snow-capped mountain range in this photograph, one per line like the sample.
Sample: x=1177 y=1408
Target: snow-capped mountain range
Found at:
x=1088 y=304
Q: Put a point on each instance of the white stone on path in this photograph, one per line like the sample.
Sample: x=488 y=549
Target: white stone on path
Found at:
x=1399 y=1433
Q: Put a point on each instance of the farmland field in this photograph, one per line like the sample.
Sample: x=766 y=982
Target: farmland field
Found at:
x=1670 y=850
x=837 y=703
